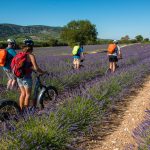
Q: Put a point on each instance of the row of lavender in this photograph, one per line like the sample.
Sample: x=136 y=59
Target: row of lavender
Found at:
x=89 y=103
x=62 y=75
x=67 y=50
x=142 y=133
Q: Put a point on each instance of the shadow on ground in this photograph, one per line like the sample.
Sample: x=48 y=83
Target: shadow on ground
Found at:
x=110 y=123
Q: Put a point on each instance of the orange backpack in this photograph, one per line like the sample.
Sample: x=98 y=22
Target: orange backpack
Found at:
x=111 y=48
x=3 y=54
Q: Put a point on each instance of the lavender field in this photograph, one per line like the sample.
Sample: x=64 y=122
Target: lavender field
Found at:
x=86 y=95
x=66 y=50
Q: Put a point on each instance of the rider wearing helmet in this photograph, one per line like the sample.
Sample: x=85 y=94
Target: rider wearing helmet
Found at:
x=11 y=42
x=10 y=54
x=28 y=42
x=25 y=83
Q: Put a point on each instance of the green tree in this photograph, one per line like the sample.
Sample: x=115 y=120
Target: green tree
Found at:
x=146 y=40
x=125 y=39
x=139 y=38
x=82 y=31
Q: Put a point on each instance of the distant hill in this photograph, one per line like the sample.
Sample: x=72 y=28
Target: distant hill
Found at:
x=8 y=30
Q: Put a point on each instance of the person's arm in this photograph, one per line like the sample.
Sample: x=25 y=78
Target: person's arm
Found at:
x=119 y=52
x=82 y=54
x=35 y=65
x=12 y=52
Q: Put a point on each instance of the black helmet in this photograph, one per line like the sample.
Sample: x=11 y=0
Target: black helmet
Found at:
x=28 y=42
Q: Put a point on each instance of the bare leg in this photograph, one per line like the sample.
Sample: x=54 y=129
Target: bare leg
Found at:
x=114 y=67
x=78 y=63
x=22 y=97
x=74 y=64
x=77 y=66
x=111 y=66
x=9 y=84
x=27 y=97
x=12 y=84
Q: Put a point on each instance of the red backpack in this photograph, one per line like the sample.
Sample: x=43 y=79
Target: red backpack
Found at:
x=17 y=64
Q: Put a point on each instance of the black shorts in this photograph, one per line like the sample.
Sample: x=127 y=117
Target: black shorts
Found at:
x=113 y=58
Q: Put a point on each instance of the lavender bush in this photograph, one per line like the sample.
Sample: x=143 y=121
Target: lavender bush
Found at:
x=142 y=133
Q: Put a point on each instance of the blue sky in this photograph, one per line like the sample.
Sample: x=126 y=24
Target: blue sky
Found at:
x=113 y=18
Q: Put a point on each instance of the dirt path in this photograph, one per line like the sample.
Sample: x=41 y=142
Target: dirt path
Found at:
x=116 y=133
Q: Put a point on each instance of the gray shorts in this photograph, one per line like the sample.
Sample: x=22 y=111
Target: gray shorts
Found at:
x=9 y=74
x=25 y=82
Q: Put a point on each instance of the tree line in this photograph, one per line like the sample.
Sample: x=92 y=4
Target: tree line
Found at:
x=82 y=31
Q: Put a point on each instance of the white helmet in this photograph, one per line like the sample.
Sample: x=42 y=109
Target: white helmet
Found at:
x=115 y=41
x=11 y=41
